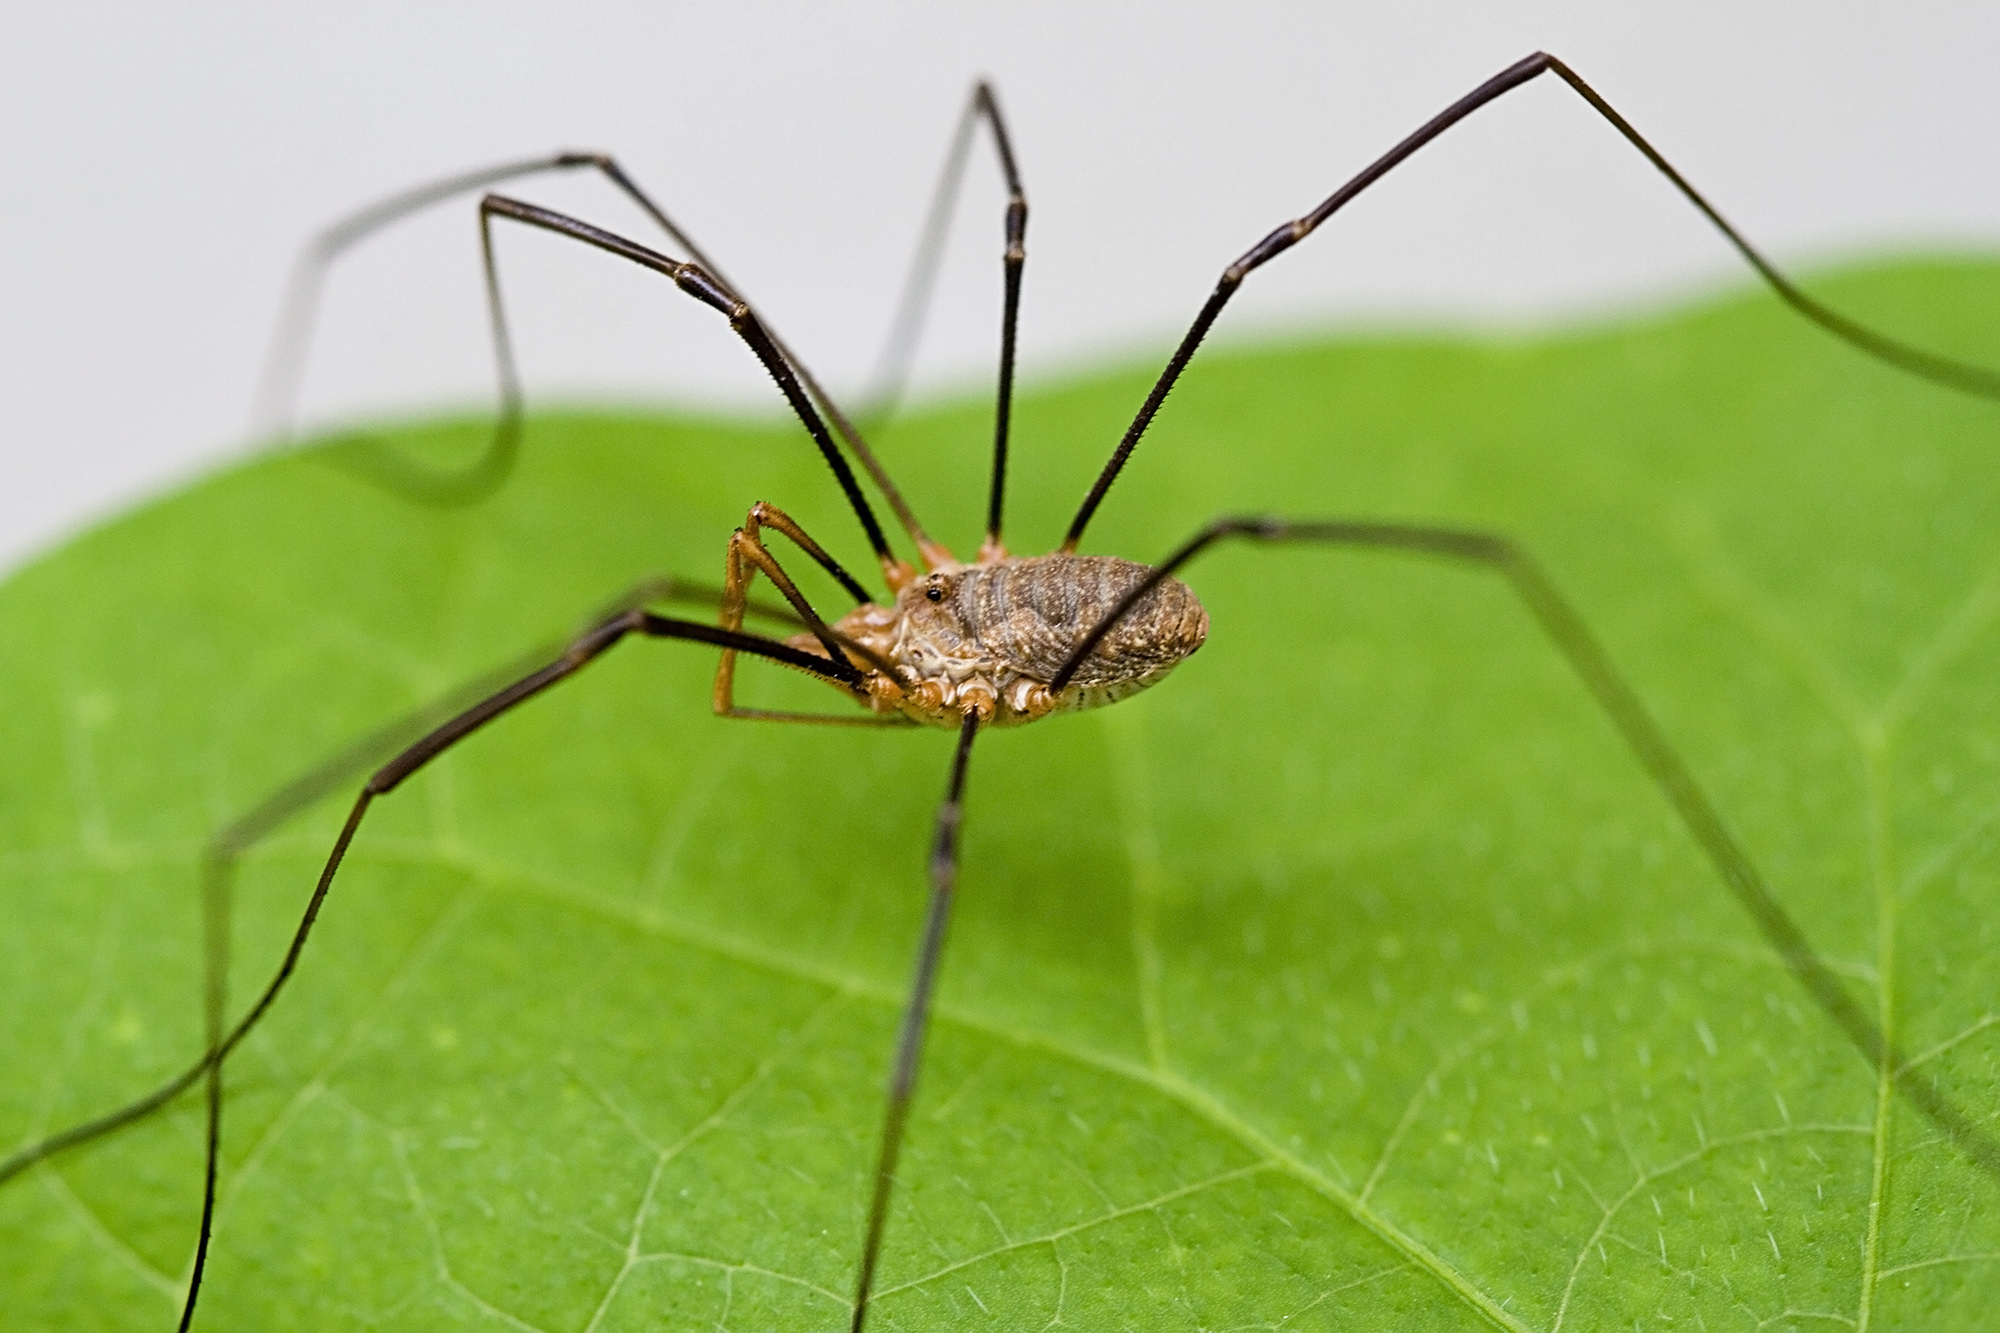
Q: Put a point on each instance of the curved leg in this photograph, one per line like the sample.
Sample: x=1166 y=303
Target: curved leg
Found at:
x=916 y=1014
x=697 y=282
x=227 y=846
x=408 y=745
x=1655 y=753
x=1943 y=370
x=278 y=383
x=277 y=390
x=890 y=377
x=747 y=555
x=585 y=649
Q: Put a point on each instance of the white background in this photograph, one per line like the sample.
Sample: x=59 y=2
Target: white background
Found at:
x=160 y=170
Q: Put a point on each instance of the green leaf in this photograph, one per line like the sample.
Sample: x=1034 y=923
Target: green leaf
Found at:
x=1357 y=977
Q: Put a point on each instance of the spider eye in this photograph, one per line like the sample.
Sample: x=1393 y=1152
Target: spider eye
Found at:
x=935 y=593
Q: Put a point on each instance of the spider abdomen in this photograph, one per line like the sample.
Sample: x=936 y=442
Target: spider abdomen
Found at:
x=1031 y=613
x=1000 y=632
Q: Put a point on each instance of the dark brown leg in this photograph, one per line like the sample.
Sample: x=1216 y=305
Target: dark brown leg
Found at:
x=219 y=858
x=1939 y=369
x=580 y=653
x=916 y=1014
x=1012 y=258
x=892 y=369
x=1655 y=753
x=284 y=359
x=697 y=282
x=415 y=741
x=278 y=385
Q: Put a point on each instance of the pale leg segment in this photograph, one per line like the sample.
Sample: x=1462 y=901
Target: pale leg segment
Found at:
x=746 y=557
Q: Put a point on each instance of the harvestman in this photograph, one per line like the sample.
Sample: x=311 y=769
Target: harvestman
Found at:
x=1001 y=641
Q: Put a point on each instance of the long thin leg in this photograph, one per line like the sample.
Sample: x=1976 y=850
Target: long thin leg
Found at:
x=890 y=378
x=217 y=871
x=434 y=729
x=916 y=1014
x=892 y=369
x=226 y=848
x=1656 y=754
x=1012 y=259
x=580 y=653
x=743 y=321
x=277 y=390
x=842 y=422
x=278 y=385
x=1943 y=370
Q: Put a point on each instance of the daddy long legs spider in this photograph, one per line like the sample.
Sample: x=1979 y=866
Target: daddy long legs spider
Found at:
x=1001 y=640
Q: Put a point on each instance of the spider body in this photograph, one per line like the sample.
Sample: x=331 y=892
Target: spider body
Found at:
x=990 y=638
